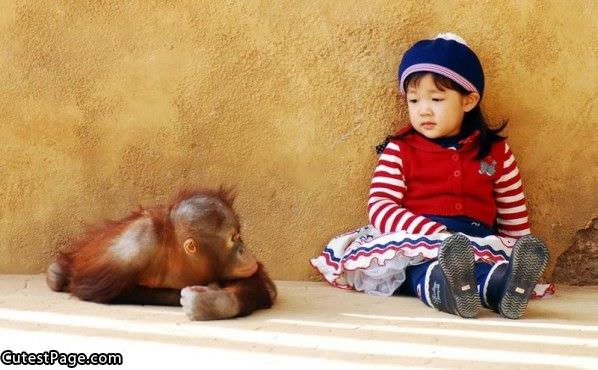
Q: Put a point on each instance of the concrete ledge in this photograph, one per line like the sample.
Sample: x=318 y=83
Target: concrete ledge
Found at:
x=312 y=324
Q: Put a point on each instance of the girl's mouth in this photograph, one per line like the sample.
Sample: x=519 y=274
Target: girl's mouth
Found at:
x=428 y=125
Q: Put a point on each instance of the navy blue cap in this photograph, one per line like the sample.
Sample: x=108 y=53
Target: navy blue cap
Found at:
x=447 y=55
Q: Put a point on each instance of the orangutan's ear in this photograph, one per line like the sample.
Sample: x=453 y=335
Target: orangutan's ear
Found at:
x=190 y=246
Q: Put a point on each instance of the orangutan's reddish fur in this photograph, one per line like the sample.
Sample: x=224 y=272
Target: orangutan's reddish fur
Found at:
x=157 y=271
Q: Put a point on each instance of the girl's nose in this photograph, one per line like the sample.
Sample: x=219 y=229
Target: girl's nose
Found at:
x=425 y=110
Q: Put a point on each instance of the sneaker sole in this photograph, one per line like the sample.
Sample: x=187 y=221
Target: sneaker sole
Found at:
x=528 y=261
x=456 y=261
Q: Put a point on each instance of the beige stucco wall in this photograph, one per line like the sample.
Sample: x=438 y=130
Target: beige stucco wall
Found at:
x=105 y=107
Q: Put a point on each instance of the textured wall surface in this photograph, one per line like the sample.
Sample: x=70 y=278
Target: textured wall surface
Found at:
x=108 y=105
x=579 y=264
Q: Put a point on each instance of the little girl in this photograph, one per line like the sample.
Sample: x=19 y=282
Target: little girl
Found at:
x=446 y=192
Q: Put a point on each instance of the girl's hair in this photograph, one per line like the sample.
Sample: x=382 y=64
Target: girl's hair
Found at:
x=472 y=120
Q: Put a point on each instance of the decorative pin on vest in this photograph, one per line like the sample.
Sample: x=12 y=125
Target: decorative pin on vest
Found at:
x=487 y=167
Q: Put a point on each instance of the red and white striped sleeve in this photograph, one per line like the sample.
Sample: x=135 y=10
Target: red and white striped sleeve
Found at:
x=387 y=189
x=512 y=216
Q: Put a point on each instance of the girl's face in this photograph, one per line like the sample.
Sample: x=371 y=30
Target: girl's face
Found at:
x=436 y=112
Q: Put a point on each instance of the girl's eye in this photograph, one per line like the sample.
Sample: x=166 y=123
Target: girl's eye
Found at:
x=437 y=99
x=412 y=101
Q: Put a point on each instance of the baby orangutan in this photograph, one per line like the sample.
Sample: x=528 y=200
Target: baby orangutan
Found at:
x=189 y=253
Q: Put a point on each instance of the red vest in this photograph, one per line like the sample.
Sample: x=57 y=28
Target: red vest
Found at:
x=448 y=182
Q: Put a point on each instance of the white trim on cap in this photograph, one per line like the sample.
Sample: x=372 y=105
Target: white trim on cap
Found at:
x=429 y=67
x=451 y=36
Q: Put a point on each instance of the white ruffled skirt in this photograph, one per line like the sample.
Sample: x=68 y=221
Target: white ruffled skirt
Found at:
x=367 y=261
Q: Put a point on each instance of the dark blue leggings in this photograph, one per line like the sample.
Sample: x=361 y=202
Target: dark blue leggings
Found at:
x=415 y=275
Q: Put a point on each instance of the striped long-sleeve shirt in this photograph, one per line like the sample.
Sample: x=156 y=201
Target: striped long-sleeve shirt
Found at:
x=416 y=177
